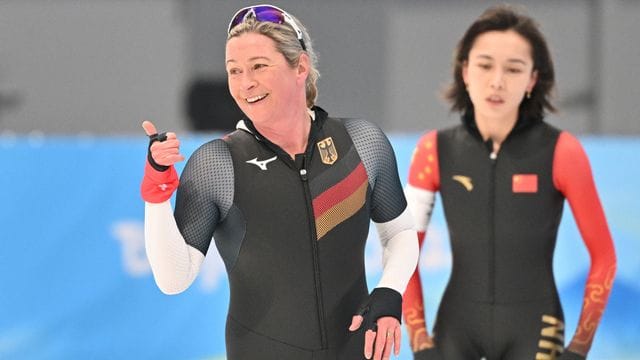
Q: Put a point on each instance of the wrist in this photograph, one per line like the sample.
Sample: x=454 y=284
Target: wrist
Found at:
x=153 y=138
x=381 y=302
x=158 y=186
x=570 y=355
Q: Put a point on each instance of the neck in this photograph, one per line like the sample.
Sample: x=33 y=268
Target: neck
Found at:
x=289 y=133
x=496 y=129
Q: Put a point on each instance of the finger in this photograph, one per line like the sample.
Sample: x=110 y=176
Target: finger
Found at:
x=164 y=155
x=369 y=340
x=168 y=160
x=149 y=128
x=381 y=340
x=167 y=144
x=397 y=340
x=356 y=321
x=388 y=344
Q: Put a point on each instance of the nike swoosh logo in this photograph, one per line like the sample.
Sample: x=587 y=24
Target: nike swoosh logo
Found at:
x=262 y=164
x=465 y=181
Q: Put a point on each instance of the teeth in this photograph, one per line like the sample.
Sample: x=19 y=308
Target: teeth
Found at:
x=256 y=98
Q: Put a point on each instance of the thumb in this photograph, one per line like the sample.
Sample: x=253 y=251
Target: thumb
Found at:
x=356 y=322
x=149 y=128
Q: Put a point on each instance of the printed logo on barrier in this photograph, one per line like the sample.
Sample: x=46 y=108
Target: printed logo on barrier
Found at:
x=262 y=164
x=130 y=234
x=328 y=152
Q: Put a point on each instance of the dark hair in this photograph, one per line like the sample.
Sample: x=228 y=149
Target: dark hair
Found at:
x=503 y=18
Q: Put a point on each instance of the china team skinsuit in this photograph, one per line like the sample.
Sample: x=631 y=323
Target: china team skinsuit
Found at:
x=503 y=211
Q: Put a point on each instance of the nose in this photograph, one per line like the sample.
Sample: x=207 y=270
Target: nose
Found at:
x=497 y=80
x=248 y=81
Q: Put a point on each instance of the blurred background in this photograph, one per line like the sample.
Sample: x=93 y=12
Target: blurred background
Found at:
x=78 y=77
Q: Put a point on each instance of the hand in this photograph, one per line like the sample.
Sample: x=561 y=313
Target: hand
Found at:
x=380 y=316
x=427 y=354
x=380 y=342
x=160 y=179
x=164 y=149
x=570 y=355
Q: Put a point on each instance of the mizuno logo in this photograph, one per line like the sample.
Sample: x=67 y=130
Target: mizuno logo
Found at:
x=465 y=181
x=262 y=164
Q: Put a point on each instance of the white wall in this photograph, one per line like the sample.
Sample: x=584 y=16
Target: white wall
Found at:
x=101 y=66
x=94 y=66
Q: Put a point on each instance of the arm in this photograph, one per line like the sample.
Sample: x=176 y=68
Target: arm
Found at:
x=174 y=263
x=572 y=176
x=423 y=183
x=399 y=259
x=399 y=251
x=382 y=311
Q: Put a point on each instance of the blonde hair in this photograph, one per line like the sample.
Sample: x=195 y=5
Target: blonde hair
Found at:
x=288 y=45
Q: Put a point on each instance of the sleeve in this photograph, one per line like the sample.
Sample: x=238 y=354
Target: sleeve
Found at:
x=176 y=243
x=424 y=181
x=573 y=177
x=388 y=204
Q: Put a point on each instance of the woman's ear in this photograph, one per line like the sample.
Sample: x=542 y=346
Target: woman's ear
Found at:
x=304 y=66
x=464 y=70
x=532 y=81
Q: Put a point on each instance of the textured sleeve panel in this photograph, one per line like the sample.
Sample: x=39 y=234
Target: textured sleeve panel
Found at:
x=205 y=194
x=388 y=200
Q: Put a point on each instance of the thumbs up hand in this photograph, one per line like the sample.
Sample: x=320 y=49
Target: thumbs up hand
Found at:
x=164 y=148
x=160 y=177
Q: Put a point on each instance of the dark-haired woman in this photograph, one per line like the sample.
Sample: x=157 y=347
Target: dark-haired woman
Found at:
x=503 y=175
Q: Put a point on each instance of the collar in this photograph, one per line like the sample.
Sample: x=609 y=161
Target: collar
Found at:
x=523 y=123
x=318 y=117
x=317 y=114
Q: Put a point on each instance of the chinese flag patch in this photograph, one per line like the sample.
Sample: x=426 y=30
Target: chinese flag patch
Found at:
x=525 y=183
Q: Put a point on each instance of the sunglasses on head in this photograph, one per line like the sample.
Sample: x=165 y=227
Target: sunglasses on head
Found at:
x=266 y=13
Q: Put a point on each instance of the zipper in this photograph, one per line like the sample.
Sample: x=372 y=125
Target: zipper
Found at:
x=492 y=230
x=314 y=247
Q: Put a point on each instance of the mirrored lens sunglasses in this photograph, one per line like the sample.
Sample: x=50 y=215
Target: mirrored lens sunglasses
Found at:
x=266 y=13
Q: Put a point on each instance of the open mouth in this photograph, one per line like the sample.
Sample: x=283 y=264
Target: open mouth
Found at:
x=255 y=99
x=495 y=99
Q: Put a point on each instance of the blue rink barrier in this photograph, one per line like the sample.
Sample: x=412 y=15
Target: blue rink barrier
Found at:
x=75 y=282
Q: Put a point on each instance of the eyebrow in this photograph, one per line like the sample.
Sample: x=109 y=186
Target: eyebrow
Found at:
x=252 y=59
x=512 y=60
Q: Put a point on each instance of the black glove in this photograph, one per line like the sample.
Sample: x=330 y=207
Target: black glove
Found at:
x=381 y=302
x=570 y=355
x=153 y=138
x=427 y=354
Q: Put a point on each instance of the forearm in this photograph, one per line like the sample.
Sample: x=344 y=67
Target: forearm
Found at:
x=400 y=252
x=174 y=263
x=597 y=289
x=413 y=310
x=421 y=203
